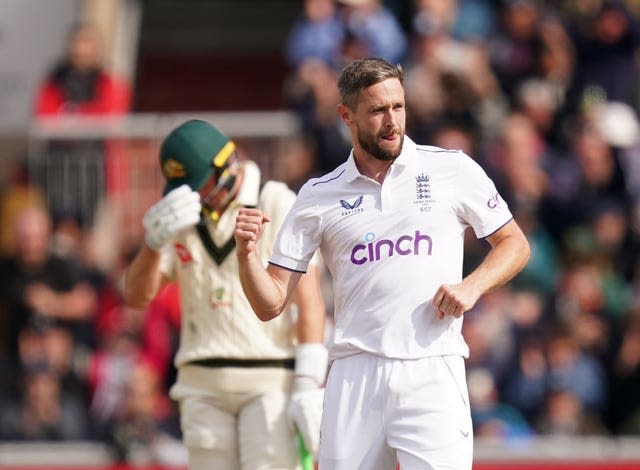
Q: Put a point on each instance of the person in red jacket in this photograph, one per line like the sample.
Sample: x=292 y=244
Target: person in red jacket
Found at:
x=79 y=84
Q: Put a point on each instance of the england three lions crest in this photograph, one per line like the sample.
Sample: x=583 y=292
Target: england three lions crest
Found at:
x=423 y=192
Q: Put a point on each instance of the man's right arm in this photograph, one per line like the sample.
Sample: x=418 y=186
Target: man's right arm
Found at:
x=143 y=279
x=177 y=210
x=268 y=290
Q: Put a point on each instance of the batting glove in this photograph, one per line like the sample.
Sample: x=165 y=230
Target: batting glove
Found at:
x=177 y=210
x=307 y=395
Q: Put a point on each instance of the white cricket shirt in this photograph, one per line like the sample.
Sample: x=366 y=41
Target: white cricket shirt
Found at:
x=390 y=246
x=217 y=320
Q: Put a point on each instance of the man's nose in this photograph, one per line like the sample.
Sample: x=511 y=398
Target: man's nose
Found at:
x=390 y=119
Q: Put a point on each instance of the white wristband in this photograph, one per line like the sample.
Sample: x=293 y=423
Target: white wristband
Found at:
x=312 y=360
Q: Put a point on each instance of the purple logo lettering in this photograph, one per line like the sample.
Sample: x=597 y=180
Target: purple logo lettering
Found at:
x=494 y=201
x=405 y=245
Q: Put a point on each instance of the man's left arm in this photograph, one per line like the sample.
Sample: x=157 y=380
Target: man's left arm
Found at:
x=508 y=255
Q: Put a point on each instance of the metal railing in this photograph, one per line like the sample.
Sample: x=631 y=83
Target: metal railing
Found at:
x=84 y=162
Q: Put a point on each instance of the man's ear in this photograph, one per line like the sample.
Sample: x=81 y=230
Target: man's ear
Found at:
x=345 y=114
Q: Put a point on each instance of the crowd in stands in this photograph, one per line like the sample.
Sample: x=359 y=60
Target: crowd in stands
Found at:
x=543 y=94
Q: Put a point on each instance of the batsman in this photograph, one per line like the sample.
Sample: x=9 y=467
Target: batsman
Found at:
x=245 y=387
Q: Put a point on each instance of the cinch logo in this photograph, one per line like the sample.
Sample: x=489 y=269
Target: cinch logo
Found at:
x=376 y=250
x=494 y=201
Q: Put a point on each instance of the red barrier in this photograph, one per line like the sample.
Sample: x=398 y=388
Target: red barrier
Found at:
x=545 y=465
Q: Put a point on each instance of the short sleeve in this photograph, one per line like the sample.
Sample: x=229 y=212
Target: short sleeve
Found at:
x=478 y=202
x=300 y=234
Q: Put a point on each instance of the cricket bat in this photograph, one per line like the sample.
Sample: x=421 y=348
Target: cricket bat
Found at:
x=306 y=459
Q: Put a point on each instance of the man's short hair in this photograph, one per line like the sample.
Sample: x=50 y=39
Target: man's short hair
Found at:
x=363 y=73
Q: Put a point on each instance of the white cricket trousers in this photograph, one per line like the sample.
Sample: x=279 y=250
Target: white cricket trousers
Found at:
x=235 y=418
x=379 y=412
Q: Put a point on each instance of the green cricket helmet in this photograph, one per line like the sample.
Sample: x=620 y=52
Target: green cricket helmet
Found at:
x=199 y=155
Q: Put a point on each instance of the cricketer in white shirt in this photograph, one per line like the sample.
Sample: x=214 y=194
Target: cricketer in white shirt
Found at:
x=250 y=392
x=409 y=231
x=388 y=248
x=390 y=224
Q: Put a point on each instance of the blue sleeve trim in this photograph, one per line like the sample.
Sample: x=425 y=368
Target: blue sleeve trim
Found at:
x=497 y=229
x=288 y=269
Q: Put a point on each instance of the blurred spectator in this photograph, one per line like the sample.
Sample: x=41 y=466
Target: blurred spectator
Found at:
x=435 y=15
x=540 y=102
x=490 y=416
x=80 y=87
x=313 y=93
x=16 y=194
x=72 y=241
x=40 y=288
x=519 y=159
x=581 y=302
x=66 y=239
x=424 y=95
x=607 y=45
x=454 y=135
x=526 y=385
x=564 y=414
x=529 y=314
x=353 y=47
x=619 y=125
x=592 y=172
x=447 y=79
x=515 y=45
x=43 y=411
x=146 y=428
x=295 y=160
x=50 y=347
x=616 y=249
x=624 y=407
x=487 y=331
x=474 y=20
x=574 y=370
x=54 y=347
x=555 y=363
x=376 y=28
x=317 y=33
x=111 y=365
x=599 y=162
x=556 y=69
x=541 y=272
x=79 y=84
